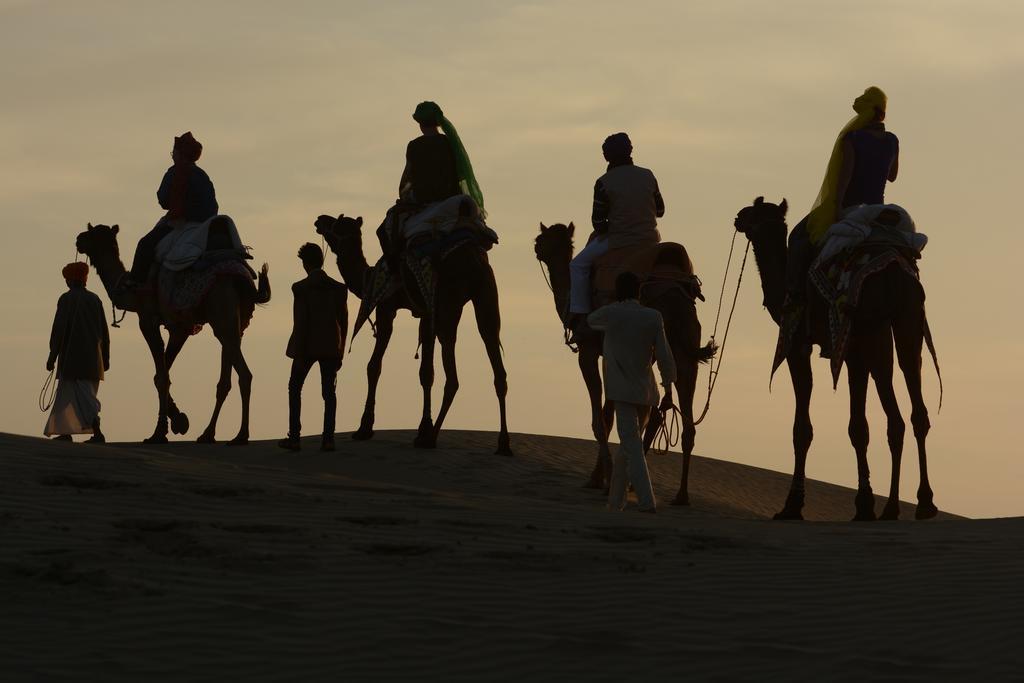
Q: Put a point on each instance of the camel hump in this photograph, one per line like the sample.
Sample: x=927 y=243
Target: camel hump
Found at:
x=665 y=260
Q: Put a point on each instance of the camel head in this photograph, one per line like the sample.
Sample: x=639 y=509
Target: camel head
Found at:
x=98 y=241
x=553 y=245
x=761 y=216
x=764 y=224
x=340 y=231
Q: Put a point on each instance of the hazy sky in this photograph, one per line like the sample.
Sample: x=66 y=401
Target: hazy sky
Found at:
x=304 y=108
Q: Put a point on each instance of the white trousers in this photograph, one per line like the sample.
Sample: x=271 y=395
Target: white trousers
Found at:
x=629 y=464
x=75 y=408
x=579 y=274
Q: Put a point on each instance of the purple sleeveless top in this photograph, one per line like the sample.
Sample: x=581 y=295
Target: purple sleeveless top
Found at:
x=874 y=157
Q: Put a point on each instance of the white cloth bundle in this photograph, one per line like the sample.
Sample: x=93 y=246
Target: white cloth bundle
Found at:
x=859 y=222
x=186 y=243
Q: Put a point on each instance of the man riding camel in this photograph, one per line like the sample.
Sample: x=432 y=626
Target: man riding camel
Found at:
x=437 y=168
x=627 y=206
x=864 y=157
x=187 y=194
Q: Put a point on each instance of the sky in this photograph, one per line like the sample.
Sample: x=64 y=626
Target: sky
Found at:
x=305 y=108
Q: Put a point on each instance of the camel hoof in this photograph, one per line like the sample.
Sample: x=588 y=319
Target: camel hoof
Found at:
x=596 y=481
x=206 y=437
x=179 y=423
x=240 y=440
x=155 y=439
x=926 y=511
x=505 y=451
x=890 y=513
x=790 y=515
x=681 y=499
x=362 y=434
x=864 y=503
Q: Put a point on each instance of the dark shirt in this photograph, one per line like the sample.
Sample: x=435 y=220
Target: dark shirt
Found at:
x=79 y=339
x=199 y=201
x=430 y=169
x=320 y=318
x=873 y=157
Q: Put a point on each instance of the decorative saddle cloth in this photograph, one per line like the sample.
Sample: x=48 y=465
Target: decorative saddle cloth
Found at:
x=420 y=259
x=661 y=265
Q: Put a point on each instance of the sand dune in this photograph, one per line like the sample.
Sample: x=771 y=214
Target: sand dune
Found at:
x=380 y=562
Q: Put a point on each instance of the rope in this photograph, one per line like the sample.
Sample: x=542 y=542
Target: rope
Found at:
x=667 y=436
x=713 y=368
x=566 y=332
x=49 y=392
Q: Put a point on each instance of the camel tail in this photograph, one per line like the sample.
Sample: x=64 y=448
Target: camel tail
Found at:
x=263 y=286
x=704 y=354
x=935 y=356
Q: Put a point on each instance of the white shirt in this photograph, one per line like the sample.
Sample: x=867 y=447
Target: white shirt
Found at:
x=632 y=335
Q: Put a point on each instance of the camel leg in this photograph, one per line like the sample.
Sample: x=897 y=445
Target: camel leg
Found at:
x=447 y=333
x=799 y=363
x=588 y=362
x=909 y=337
x=425 y=433
x=179 y=420
x=385 y=326
x=488 y=323
x=244 y=389
x=881 y=372
x=857 y=371
x=161 y=378
x=223 y=389
x=686 y=387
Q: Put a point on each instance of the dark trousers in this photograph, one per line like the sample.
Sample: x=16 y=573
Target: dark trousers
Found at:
x=798 y=261
x=145 y=252
x=328 y=381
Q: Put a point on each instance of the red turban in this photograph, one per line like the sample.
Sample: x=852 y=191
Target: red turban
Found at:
x=76 y=272
x=190 y=148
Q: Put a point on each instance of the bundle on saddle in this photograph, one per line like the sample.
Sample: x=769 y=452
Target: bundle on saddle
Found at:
x=661 y=267
x=869 y=239
x=189 y=262
x=421 y=237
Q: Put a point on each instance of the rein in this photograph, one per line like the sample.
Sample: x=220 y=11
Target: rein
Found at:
x=713 y=368
x=566 y=332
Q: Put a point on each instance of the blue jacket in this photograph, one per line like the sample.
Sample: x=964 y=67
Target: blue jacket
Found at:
x=200 y=200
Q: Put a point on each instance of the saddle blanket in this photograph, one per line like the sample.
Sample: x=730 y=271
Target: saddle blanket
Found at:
x=187 y=242
x=882 y=223
x=445 y=217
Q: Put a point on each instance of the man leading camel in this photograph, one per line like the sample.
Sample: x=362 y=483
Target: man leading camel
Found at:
x=632 y=334
x=627 y=206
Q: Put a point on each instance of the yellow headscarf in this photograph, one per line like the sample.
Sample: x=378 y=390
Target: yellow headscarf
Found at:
x=825 y=211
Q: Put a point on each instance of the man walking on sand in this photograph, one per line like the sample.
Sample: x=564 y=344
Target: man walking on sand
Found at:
x=80 y=351
x=319 y=329
x=632 y=334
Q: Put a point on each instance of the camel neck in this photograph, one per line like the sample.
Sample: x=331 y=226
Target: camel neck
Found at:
x=559 y=274
x=110 y=269
x=351 y=264
x=770 y=253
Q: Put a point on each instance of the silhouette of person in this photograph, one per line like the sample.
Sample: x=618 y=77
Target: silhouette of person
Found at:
x=186 y=192
x=437 y=167
x=80 y=350
x=319 y=330
x=633 y=333
x=864 y=158
x=627 y=206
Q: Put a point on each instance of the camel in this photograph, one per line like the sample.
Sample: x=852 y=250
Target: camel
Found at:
x=463 y=276
x=554 y=249
x=227 y=308
x=890 y=309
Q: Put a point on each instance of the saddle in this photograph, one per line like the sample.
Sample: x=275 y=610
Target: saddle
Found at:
x=659 y=266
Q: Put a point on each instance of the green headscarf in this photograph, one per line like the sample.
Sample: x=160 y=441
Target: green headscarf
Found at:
x=430 y=114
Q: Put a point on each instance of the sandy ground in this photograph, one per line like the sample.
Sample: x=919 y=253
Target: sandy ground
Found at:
x=380 y=562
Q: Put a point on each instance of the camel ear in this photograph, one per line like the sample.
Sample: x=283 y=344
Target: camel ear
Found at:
x=543 y=228
x=88 y=226
x=784 y=207
x=572 y=228
x=759 y=201
x=359 y=222
x=115 y=228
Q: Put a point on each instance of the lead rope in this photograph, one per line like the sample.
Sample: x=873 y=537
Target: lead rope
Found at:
x=713 y=368
x=566 y=332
